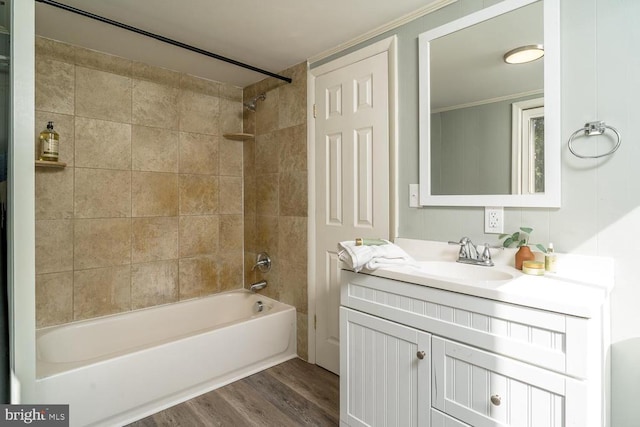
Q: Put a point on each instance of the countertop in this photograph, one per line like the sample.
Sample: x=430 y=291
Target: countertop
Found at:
x=579 y=288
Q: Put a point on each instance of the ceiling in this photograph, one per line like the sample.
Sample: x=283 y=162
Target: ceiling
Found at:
x=272 y=35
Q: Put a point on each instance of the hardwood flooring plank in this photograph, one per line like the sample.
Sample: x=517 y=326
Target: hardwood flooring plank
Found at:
x=214 y=410
x=300 y=410
x=311 y=381
x=256 y=410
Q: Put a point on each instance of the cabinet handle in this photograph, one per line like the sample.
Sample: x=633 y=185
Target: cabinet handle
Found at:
x=421 y=355
x=496 y=400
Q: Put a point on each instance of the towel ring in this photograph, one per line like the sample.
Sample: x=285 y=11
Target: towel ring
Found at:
x=594 y=128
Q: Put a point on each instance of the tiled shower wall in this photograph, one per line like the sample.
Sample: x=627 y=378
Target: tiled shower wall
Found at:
x=275 y=205
x=149 y=209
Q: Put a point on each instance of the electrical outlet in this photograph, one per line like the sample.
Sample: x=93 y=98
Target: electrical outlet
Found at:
x=494 y=220
x=414 y=195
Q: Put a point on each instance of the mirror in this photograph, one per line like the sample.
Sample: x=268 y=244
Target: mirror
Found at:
x=490 y=131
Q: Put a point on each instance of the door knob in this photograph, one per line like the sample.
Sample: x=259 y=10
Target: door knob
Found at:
x=421 y=355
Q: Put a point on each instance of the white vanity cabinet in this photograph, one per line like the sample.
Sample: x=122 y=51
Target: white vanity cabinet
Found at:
x=415 y=355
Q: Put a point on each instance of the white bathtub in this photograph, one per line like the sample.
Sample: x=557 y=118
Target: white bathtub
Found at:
x=116 y=369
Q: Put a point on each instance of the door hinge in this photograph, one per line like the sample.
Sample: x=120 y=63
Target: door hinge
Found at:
x=315 y=111
x=315 y=322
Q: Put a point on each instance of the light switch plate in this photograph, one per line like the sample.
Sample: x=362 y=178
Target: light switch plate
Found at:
x=414 y=195
x=494 y=220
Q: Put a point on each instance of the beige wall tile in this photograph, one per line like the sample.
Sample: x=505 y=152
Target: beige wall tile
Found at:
x=103 y=95
x=155 y=74
x=101 y=243
x=230 y=195
x=249 y=192
x=198 y=276
x=102 y=193
x=231 y=157
x=231 y=233
x=198 y=235
x=54 y=299
x=248 y=121
x=231 y=270
x=154 y=239
x=292 y=238
x=199 y=113
x=102 y=144
x=267 y=113
x=267 y=234
x=266 y=189
x=154 y=149
x=200 y=85
x=63 y=124
x=198 y=195
x=53 y=49
x=293 y=194
x=102 y=61
x=230 y=115
x=54 y=193
x=267 y=153
x=198 y=153
x=248 y=157
x=293 y=285
x=155 y=105
x=292 y=149
x=54 y=246
x=231 y=92
x=154 y=194
x=101 y=291
x=249 y=274
x=292 y=105
x=154 y=283
x=302 y=332
x=249 y=224
x=55 y=86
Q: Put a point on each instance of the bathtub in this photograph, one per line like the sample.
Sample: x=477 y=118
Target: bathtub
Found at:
x=120 y=368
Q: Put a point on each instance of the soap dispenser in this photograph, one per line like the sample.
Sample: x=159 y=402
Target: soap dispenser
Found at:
x=550 y=260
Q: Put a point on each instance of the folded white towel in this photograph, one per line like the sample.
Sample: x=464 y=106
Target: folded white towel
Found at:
x=372 y=257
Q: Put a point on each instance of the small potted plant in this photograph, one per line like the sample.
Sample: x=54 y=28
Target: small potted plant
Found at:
x=521 y=240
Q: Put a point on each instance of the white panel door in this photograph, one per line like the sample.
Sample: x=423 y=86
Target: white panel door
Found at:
x=385 y=369
x=352 y=180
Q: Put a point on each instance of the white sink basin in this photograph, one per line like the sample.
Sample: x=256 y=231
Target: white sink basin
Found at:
x=458 y=271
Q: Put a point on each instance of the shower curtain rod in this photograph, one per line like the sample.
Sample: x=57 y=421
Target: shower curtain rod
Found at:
x=162 y=39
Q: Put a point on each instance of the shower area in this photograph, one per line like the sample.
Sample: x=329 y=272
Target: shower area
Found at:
x=195 y=179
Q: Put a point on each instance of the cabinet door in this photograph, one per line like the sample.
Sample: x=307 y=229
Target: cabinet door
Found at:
x=384 y=372
x=484 y=389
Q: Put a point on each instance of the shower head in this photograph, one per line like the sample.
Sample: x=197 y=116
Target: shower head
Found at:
x=251 y=104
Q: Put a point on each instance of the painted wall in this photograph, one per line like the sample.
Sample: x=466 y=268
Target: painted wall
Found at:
x=600 y=212
x=149 y=209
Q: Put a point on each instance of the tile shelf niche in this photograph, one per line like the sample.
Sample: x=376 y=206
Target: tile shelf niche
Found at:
x=238 y=136
x=49 y=164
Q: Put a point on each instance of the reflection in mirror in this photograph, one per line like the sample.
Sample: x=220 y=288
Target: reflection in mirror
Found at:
x=482 y=119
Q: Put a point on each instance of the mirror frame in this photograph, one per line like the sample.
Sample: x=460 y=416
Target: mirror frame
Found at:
x=552 y=136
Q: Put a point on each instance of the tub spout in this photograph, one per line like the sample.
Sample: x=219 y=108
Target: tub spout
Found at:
x=258 y=286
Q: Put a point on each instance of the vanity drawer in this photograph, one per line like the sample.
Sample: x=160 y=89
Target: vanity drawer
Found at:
x=551 y=340
x=439 y=419
x=484 y=389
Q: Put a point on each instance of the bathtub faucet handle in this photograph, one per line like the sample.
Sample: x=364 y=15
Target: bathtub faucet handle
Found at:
x=263 y=263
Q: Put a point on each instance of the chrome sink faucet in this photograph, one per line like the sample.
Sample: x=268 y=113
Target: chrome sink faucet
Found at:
x=469 y=253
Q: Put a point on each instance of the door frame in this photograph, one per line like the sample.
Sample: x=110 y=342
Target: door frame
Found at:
x=388 y=45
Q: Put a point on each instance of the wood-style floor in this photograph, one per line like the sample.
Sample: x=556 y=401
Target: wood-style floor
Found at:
x=294 y=393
